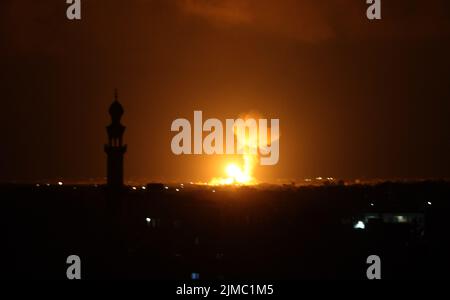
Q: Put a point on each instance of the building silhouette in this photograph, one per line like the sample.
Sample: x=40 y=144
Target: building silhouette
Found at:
x=115 y=149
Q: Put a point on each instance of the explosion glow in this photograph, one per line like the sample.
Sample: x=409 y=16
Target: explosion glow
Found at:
x=238 y=175
x=241 y=175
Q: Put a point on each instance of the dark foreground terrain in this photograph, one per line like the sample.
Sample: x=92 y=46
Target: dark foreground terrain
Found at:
x=321 y=232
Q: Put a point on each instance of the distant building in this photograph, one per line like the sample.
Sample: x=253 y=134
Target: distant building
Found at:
x=155 y=187
x=115 y=149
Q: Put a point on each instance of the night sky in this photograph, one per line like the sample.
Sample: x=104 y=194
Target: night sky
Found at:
x=355 y=99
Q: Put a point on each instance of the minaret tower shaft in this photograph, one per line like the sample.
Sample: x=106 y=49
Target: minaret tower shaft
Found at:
x=115 y=149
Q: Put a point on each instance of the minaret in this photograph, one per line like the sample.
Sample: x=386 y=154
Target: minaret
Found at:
x=115 y=148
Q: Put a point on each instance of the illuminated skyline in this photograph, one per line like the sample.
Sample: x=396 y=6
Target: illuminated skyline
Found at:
x=356 y=100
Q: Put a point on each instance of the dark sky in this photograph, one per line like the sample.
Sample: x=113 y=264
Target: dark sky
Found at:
x=355 y=99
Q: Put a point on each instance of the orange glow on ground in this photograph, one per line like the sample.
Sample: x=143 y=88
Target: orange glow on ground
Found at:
x=235 y=176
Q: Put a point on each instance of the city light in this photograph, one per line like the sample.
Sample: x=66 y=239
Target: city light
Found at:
x=360 y=225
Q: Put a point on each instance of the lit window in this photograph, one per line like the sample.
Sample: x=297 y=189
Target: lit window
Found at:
x=195 y=276
x=359 y=225
x=401 y=219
